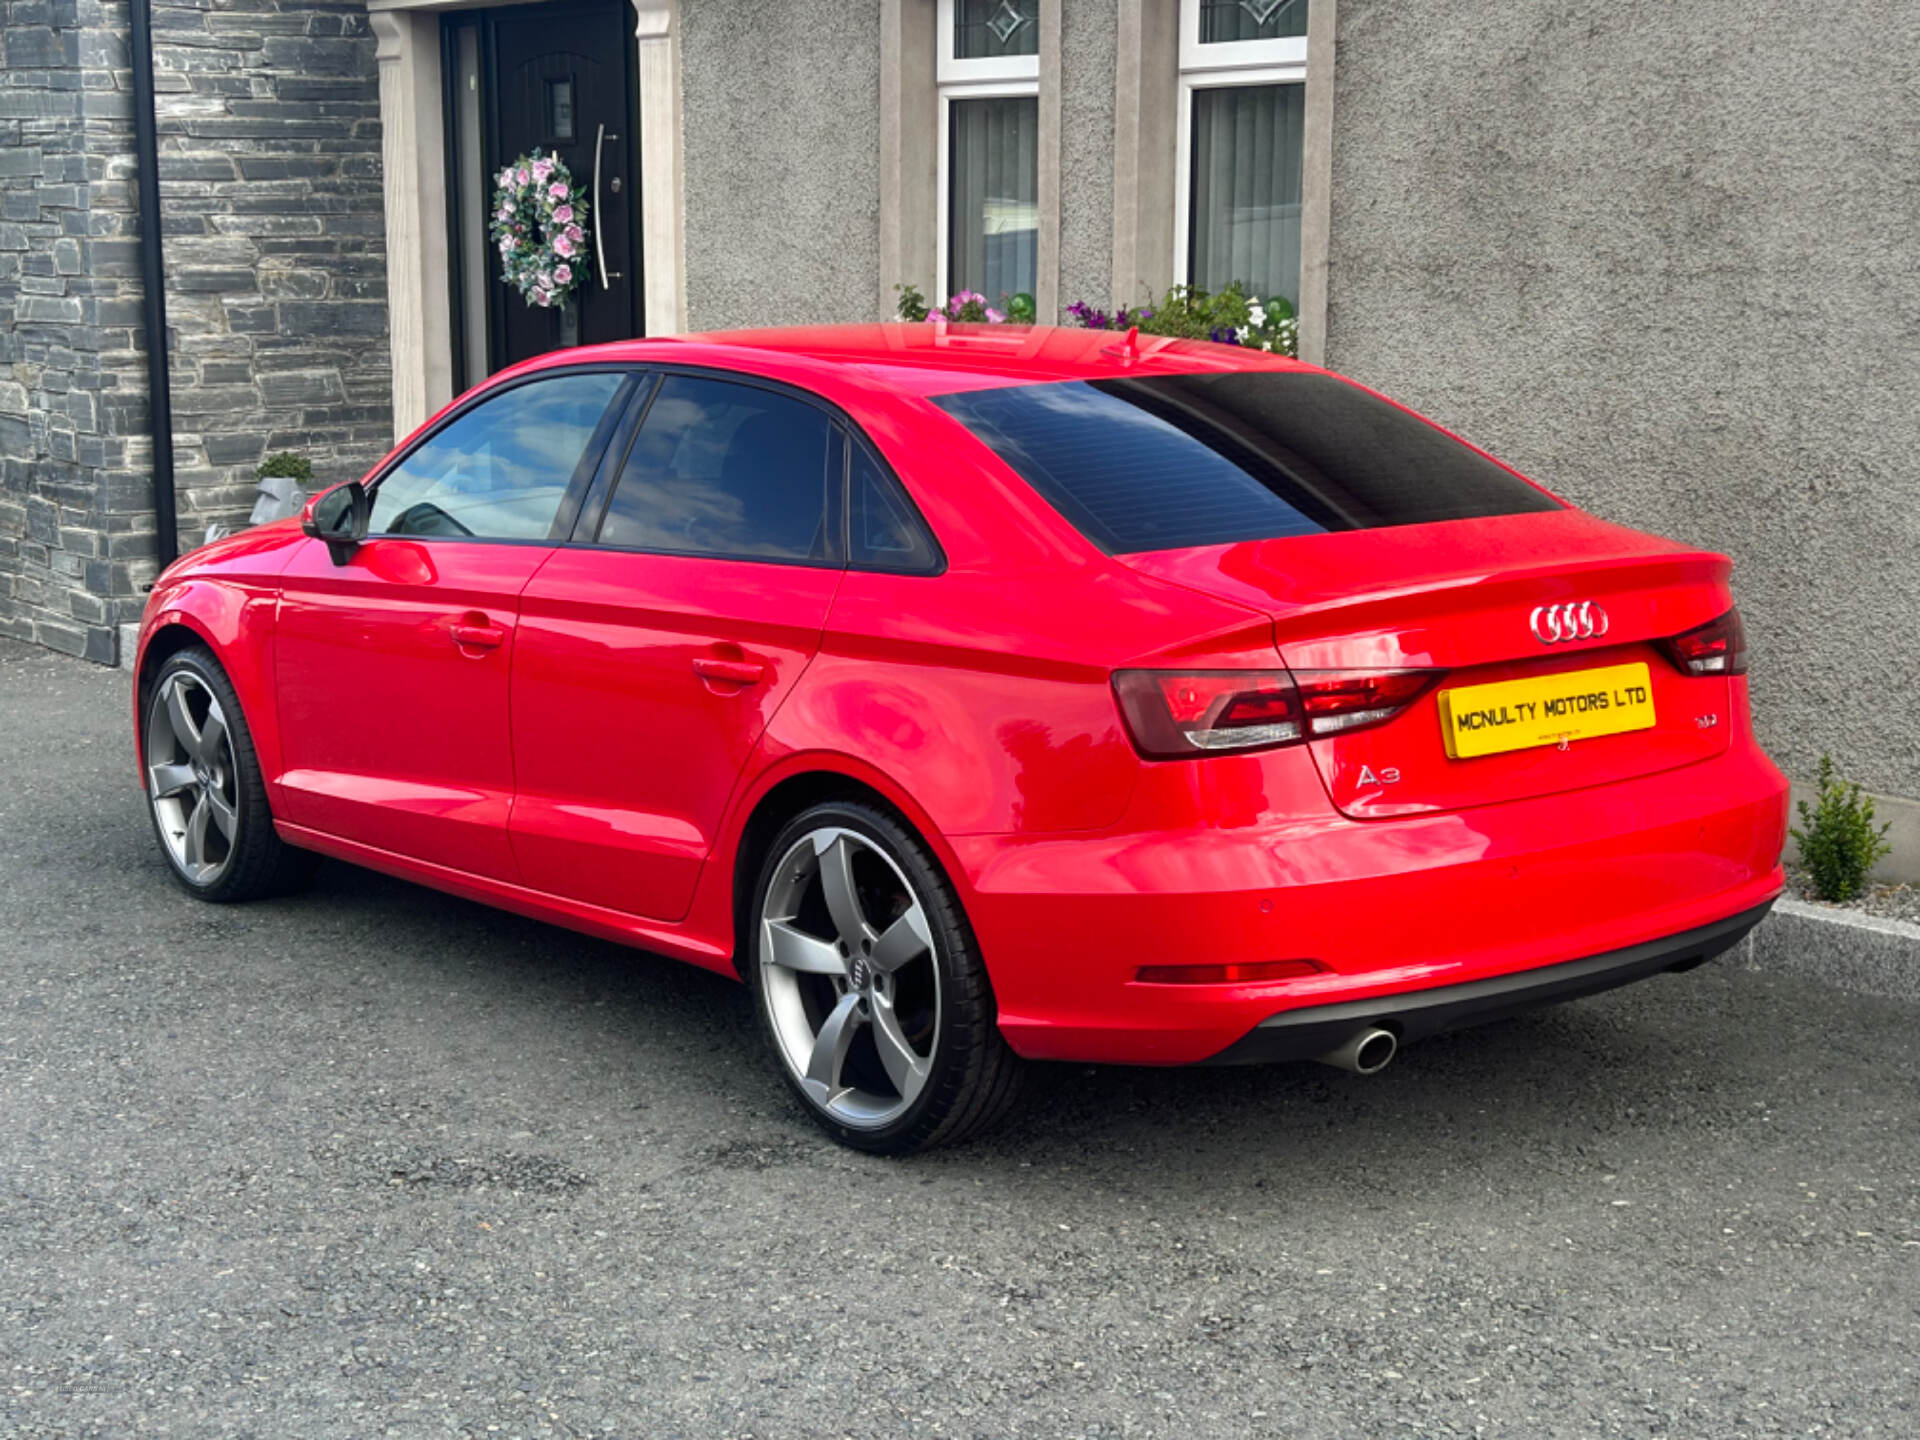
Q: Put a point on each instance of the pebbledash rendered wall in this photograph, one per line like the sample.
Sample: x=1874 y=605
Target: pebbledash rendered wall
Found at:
x=270 y=188
x=781 y=130
x=1666 y=259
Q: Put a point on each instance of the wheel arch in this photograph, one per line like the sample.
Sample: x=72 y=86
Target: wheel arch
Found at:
x=235 y=623
x=795 y=787
x=168 y=636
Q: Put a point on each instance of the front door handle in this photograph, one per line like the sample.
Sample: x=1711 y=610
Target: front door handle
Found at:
x=728 y=672
x=479 y=637
x=600 y=138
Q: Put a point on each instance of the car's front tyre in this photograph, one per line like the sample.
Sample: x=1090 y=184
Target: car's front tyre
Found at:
x=205 y=791
x=870 y=985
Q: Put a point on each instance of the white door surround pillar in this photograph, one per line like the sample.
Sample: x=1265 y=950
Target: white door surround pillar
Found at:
x=414 y=181
x=662 y=206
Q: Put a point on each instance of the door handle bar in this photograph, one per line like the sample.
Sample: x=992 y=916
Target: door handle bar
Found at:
x=479 y=637
x=729 y=672
x=599 y=244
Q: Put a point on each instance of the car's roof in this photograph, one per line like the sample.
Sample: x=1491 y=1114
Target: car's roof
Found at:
x=935 y=358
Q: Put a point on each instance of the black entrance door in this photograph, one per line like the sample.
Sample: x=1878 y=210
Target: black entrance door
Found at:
x=561 y=80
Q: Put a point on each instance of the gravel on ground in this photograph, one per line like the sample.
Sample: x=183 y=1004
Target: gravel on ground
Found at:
x=372 y=1161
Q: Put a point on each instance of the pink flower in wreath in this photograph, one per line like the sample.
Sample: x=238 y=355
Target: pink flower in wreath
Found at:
x=520 y=176
x=540 y=297
x=574 y=234
x=559 y=191
x=562 y=245
x=563 y=274
x=563 y=214
x=542 y=169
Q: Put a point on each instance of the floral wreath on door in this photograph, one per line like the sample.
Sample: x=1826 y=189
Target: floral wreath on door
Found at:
x=539 y=224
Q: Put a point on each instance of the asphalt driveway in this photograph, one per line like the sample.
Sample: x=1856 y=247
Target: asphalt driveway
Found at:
x=373 y=1161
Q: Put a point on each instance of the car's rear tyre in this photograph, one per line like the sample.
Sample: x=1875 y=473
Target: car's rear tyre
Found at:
x=870 y=985
x=205 y=793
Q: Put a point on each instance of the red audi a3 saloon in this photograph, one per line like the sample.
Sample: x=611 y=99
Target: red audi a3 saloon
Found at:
x=978 y=695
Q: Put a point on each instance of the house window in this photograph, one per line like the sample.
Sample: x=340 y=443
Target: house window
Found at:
x=1243 y=71
x=989 y=81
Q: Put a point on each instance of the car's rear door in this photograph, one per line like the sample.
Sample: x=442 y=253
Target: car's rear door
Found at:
x=391 y=669
x=653 y=651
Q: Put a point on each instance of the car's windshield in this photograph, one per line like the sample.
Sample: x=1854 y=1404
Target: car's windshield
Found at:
x=1184 y=460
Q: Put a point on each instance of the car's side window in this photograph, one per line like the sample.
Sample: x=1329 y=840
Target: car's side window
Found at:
x=726 y=469
x=501 y=470
x=883 y=533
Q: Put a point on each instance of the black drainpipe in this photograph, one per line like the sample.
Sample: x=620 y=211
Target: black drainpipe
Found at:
x=146 y=151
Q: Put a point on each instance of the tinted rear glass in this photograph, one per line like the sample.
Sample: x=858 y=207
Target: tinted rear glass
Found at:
x=1183 y=460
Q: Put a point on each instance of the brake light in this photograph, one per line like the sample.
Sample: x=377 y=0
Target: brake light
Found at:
x=1718 y=647
x=1176 y=714
x=1338 y=700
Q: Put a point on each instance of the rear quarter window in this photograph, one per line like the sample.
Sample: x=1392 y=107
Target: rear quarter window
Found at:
x=1176 y=461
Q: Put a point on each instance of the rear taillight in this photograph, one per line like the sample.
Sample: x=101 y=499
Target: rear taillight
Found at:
x=1718 y=647
x=1173 y=714
x=1337 y=701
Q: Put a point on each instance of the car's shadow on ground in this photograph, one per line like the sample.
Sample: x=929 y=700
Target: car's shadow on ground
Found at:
x=1501 y=1095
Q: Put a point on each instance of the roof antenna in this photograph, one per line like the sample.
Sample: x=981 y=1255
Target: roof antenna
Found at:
x=1129 y=346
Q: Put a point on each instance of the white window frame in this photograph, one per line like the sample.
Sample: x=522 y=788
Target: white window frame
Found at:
x=999 y=77
x=1226 y=65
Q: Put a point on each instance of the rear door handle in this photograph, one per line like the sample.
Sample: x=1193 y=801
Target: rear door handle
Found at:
x=479 y=637
x=728 y=672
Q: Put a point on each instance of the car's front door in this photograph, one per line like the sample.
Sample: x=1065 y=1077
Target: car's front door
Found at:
x=650 y=660
x=391 y=670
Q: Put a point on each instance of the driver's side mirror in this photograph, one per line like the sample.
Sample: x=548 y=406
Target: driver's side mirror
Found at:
x=338 y=516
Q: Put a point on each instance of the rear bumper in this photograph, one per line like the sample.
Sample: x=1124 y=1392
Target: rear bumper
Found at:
x=1388 y=909
x=1303 y=1034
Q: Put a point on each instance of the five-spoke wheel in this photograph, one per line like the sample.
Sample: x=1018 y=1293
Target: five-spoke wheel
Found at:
x=870 y=986
x=191 y=776
x=204 y=787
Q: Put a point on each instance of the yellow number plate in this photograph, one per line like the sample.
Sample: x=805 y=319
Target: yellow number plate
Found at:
x=1544 y=710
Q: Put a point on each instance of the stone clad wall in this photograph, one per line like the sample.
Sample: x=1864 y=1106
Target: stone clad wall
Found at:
x=61 y=563
x=269 y=130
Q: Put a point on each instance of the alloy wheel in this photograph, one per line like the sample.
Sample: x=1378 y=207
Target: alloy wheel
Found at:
x=851 y=981
x=192 y=778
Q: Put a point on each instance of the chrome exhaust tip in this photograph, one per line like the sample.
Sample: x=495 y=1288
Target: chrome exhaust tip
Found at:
x=1365 y=1052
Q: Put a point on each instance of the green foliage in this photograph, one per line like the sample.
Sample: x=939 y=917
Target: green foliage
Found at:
x=288 y=464
x=968 y=307
x=1839 y=845
x=1186 y=312
x=913 y=305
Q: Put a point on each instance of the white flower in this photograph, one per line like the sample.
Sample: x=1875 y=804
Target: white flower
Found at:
x=1258 y=312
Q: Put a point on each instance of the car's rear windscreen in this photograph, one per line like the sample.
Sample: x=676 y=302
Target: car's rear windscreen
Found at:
x=1176 y=461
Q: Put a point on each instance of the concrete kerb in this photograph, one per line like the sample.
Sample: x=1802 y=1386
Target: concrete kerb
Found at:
x=1865 y=954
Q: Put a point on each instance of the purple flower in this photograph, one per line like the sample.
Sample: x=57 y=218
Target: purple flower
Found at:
x=994 y=317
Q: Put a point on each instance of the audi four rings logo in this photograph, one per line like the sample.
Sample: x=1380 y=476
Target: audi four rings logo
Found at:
x=1575 y=620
